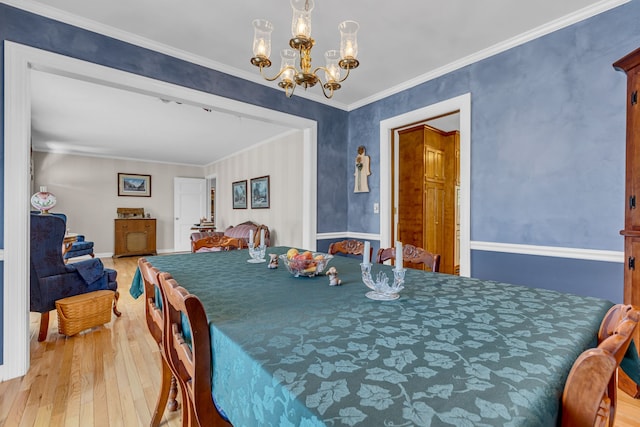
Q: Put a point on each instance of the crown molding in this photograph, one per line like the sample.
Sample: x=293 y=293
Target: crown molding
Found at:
x=518 y=40
x=127 y=37
x=90 y=25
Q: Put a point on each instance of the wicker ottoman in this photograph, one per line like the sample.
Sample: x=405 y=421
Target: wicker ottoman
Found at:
x=84 y=311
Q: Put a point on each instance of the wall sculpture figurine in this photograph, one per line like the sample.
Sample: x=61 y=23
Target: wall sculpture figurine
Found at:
x=362 y=171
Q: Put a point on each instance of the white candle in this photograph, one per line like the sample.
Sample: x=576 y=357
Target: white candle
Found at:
x=262 y=243
x=366 y=255
x=399 y=261
x=251 y=238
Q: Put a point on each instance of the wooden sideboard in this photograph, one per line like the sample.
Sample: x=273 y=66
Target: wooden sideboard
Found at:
x=135 y=236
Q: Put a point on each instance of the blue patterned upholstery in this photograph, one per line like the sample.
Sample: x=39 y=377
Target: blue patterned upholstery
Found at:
x=51 y=278
x=78 y=248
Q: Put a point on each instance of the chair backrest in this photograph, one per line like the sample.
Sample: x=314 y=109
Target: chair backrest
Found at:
x=590 y=393
x=585 y=402
x=614 y=317
x=217 y=242
x=47 y=235
x=152 y=297
x=188 y=344
x=413 y=257
x=349 y=247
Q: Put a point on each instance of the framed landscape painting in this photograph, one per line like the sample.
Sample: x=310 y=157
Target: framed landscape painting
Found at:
x=131 y=184
x=239 y=192
x=260 y=192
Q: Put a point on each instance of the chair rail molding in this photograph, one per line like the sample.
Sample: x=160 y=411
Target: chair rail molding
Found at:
x=550 y=251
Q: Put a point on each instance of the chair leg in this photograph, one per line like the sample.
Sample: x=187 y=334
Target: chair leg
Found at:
x=116 y=296
x=44 y=326
x=173 y=393
x=167 y=381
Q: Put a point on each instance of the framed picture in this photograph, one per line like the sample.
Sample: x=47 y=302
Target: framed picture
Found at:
x=239 y=192
x=260 y=192
x=131 y=184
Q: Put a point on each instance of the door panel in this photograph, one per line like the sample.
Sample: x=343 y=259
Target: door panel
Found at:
x=190 y=204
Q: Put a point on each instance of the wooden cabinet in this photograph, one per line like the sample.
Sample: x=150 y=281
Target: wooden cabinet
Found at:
x=428 y=176
x=630 y=64
x=135 y=236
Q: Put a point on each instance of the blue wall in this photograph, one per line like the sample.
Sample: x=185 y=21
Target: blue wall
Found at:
x=547 y=159
x=547 y=151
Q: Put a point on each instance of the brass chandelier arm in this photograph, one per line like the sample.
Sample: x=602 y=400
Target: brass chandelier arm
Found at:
x=277 y=76
x=321 y=68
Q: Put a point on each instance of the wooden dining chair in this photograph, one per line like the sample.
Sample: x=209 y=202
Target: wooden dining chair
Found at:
x=188 y=344
x=590 y=393
x=217 y=243
x=413 y=257
x=155 y=324
x=610 y=322
x=349 y=247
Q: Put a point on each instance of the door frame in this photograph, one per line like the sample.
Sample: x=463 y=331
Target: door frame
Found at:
x=19 y=59
x=462 y=104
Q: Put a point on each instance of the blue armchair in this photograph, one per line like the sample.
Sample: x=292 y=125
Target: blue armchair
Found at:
x=52 y=279
x=78 y=248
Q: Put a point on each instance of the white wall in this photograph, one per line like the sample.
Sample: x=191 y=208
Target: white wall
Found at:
x=281 y=159
x=86 y=191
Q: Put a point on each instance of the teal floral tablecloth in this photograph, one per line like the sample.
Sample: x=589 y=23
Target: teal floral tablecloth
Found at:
x=450 y=351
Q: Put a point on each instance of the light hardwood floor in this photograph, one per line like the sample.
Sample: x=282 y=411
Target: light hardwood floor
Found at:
x=108 y=376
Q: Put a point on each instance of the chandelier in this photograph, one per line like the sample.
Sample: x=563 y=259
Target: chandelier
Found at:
x=301 y=44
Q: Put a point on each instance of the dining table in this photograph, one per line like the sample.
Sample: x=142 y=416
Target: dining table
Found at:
x=451 y=350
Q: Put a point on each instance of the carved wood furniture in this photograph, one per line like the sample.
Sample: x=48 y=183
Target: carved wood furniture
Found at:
x=135 y=236
x=589 y=397
x=217 y=243
x=349 y=247
x=412 y=256
x=611 y=320
x=155 y=324
x=630 y=64
x=428 y=178
x=189 y=353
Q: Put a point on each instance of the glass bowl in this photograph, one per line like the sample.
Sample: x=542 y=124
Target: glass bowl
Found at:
x=305 y=266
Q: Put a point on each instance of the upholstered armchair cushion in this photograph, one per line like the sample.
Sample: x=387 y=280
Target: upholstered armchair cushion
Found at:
x=79 y=248
x=52 y=279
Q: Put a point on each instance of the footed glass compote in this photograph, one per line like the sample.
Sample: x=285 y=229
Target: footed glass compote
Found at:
x=381 y=290
x=257 y=254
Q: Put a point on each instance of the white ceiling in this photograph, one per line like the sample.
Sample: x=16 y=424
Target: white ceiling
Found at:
x=400 y=44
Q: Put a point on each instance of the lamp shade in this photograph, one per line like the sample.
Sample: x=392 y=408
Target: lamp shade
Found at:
x=301 y=22
x=349 y=39
x=43 y=200
x=262 y=38
x=333 y=69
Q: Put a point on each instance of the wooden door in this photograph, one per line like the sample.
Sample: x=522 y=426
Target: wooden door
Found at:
x=189 y=206
x=427 y=202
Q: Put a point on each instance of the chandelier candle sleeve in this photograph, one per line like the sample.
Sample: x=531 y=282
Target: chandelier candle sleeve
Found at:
x=251 y=238
x=301 y=22
x=262 y=237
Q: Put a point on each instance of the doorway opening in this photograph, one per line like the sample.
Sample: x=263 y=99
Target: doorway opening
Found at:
x=425 y=187
x=19 y=61
x=389 y=133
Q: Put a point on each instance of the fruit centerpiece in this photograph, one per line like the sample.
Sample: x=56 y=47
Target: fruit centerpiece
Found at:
x=305 y=263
